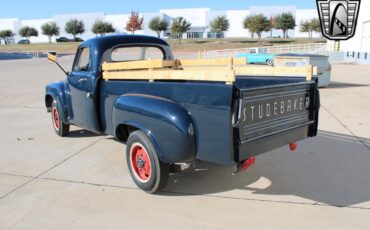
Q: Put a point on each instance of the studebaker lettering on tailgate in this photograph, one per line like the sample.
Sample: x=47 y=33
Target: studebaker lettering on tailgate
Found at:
x=267 y=109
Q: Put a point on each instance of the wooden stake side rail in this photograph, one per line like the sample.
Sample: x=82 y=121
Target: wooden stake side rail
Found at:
x=220 y=70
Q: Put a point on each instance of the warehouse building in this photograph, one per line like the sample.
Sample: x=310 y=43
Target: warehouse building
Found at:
x=199 y=18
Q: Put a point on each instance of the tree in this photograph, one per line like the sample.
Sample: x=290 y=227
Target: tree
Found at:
x=28 y=32
x=272 y=25
x=102 y=28
x=5 y=34
x=285 y=22
x=158 y=25
x=179 y=26
x=257 y=24
x=75 y=27
x=310 y=26
x=50 y=29
x=135 y=22
x=220 y=25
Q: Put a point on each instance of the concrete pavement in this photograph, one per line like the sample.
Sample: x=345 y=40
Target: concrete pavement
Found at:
x=82 y=182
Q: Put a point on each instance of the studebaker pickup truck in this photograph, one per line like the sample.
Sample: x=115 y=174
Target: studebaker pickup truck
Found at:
x=169 y=112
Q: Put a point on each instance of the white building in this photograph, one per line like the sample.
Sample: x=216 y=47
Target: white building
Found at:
x=199 y=18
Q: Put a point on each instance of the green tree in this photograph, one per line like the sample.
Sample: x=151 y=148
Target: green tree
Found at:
x=75 y=27
x=6 y=34
x=310 y=26
x=257 y=24
x=272 y=25
x=158 y=25
x=135 y=22
x=28 y=32
x=50 y=29
x=179 y=26
x=220 y=25
x=285 y=22
x=102 y=28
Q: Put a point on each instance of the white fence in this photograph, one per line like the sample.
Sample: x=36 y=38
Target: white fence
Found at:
x=311 y=48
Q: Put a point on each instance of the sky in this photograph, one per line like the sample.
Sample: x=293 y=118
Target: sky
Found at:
x=37 y=9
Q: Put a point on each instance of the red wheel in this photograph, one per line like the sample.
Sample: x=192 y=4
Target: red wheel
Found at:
x=140 y=162
x=60 y=128
x=55 y=117
x=147 y=170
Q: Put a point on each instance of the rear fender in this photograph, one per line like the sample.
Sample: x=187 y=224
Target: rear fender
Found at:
x=166 y=123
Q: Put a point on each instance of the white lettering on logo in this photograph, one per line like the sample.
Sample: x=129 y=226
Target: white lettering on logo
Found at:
x=307 y=102
x=268 y=110
x=301 y=103
x=260 y=111
x=282 y=107
x=289 y=107
x=245 y=114
x=275 y=108
x=252 y=108
x=295 y=104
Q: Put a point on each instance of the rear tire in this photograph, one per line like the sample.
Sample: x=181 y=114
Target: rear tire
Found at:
x=146 y=169
x=60 y=128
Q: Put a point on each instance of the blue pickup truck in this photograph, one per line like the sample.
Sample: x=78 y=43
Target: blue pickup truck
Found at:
x=258 y=56
x=168 y=123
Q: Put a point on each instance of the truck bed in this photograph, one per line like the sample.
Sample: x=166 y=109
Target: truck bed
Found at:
x=220 y=136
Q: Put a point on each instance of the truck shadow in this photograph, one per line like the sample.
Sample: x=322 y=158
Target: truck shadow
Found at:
x=331 y=169
x=340 y=85
x=83 y=133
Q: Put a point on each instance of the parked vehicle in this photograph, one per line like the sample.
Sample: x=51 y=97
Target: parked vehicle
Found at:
x=63 y=39
x=77 y=40
x=258 y=56
x=177 y=114
x=24 y=42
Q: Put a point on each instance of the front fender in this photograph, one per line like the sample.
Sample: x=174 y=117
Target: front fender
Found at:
x=167 y=124
x=57 y=92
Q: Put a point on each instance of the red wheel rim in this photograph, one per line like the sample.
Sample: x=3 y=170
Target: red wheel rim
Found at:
x=55 y=118
x=140 y=162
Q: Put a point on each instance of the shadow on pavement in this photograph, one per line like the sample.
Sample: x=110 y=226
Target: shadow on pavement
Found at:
x=332 y=169
x=83 y=133
x=341 y=85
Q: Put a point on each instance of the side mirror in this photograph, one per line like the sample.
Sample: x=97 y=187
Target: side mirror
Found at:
x=52 y=56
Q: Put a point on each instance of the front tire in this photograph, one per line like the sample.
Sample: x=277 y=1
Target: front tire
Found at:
x=146 y=169
x=60 y=128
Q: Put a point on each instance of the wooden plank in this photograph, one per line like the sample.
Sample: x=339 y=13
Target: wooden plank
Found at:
x=307 y=71
x=145 y=64
x=213 y=62
x=191 y=75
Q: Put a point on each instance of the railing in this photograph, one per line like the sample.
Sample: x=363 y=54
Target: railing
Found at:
x=311 y=48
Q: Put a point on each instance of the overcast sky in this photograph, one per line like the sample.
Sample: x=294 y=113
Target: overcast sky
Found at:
x=35 y=9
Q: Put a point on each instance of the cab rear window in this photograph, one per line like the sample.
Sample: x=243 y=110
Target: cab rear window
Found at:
x=136 y=53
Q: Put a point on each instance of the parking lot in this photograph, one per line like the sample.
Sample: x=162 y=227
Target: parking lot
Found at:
x=82 y=181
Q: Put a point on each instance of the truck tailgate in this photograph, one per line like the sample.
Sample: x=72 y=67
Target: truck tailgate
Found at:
x=270 y=117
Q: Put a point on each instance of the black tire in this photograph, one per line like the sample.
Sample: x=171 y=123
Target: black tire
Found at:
x=140 y=153
x=60 y=128
x=269 y=62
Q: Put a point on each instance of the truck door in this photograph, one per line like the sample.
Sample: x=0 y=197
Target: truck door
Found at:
x=78 y=80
